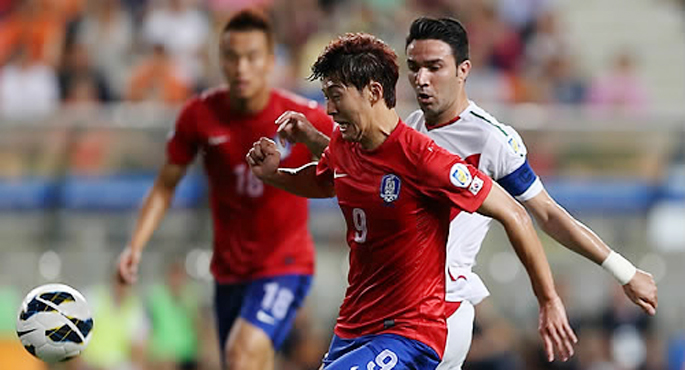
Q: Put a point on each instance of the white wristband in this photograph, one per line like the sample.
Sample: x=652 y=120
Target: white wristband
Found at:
x=620 y=267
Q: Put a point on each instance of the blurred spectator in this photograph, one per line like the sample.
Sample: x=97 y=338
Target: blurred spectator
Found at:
x=507 y=48
x=174 y=317
x=107 y=23
x=593 y=352
x=522 y=14
x=28 y=87
x=620 y=90
x=565 y=85
x=295 y=26
x=82 y=91
x=77 y=72
x=157 y=79
x=493 y=345
x=119 y=330
x=305 y=346
x=223 y=8
x=183 y=30
x=36 y=24
x=5 y=7
x=546 y=45
x=626 y=327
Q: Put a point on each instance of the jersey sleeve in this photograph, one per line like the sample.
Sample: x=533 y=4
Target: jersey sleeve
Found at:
x=445 y=176
x=504 y=157
x=183 y=145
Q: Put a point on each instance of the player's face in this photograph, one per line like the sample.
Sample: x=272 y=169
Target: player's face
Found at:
x=435 y=77
x=347 y=106
x=246 y=61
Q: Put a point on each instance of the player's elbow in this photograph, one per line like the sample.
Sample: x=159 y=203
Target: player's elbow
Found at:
x=552 y=217
x=516 y=216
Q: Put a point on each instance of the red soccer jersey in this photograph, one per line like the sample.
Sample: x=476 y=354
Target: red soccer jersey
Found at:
x=259 y=230
x=396 y=201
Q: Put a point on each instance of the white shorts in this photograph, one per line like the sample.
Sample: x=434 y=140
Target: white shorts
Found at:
x=459 y=334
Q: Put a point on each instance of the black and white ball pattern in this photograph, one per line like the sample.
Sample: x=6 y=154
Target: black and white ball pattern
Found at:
x=54 y=322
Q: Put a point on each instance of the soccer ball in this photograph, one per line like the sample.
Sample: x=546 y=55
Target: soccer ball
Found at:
x=54 y=322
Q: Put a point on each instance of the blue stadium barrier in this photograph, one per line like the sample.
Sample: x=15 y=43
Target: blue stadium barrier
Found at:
x=603 y=196
x=125 y=192
x=27 y=193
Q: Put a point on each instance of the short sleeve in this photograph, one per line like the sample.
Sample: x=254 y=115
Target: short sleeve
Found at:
x=505 y=158
x=182 y=145
x=445 y=176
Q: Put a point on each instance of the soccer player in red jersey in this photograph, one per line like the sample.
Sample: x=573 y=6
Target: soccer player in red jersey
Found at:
x=396 y=189
x=263 y=253
x=438 y=63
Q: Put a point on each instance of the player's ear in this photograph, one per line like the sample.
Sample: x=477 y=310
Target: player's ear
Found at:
x=375 y=92
x=463 y=70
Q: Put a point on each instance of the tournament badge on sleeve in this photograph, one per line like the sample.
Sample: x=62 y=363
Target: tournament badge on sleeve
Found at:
x=390 y=188
x=460 y=175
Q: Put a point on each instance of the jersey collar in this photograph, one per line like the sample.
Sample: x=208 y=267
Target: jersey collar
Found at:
x=455 y=119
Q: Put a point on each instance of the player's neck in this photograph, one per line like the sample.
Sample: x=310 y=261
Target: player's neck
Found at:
x=250 y=106
x=449 y=114
x=383 y=122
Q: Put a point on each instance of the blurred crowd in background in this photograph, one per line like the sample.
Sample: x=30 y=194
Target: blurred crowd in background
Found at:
x=89 y=55
x=81 y=53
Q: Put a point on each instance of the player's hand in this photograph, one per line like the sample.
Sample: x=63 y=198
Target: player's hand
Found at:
x=295 y=128
x=264 y=158
x=128 y=265
x=557 y=335
x=641 y=289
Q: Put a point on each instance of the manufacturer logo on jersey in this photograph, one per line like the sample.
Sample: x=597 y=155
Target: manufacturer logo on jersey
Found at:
x=476 y=185
x=265 y=318
x=460 y=175
x=283 y=149
x=515 y=146
x=390 y=188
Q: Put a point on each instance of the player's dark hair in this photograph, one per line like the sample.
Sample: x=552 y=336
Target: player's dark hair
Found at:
x=356 y=59
x=251 y=19
x=448 y=30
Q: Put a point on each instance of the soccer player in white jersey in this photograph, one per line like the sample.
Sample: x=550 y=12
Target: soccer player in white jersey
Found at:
x=438 y=61
x=439 y=65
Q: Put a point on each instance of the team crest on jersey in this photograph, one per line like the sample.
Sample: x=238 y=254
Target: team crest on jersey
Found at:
x=515 y=146
x=460 y=176
x=283 y=149
x=390 y=188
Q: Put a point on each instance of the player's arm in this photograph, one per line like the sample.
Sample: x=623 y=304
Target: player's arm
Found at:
x=152 y=212
x=264 y=159
x=296 y=128
x=638 y=285
x=554 y=327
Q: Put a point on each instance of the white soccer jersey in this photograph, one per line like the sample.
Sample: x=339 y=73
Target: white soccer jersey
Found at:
x=498 y=151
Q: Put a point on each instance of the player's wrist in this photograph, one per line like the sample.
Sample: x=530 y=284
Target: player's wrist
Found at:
x=317 y=141
x=135 y=251
x=547 y=296
x=619 y=267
